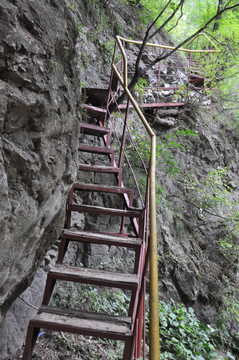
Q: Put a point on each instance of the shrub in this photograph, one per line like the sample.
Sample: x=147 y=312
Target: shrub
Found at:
x=182 y=335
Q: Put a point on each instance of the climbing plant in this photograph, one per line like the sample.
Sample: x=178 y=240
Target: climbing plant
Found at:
x=215 y=196
x=216 y=199
x=183 y=336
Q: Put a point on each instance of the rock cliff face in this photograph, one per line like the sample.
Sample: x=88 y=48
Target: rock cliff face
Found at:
x=39 y=96
x=194 y=218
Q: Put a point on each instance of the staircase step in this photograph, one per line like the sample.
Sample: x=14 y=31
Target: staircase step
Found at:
x=95 y=109
x=96 y=149
x=94 y=277
x=95 y=96
x=103 y=169
x=114 y=327
x=94 y=130
x=76 y=322
x=126 y=320
x=95 y=112
x=100 y=168
x=133 y=213
x=154 y=105
x=102 y=188
x=97 y=238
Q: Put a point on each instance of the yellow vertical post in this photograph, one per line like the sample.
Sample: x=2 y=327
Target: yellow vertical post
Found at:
x=154 y=347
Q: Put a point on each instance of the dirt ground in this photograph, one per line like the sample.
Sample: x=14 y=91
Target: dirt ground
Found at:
x=62 y=346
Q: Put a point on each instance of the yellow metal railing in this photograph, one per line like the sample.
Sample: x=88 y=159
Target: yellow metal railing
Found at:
x=153 y=255
x=186 y=50
x=154 y=348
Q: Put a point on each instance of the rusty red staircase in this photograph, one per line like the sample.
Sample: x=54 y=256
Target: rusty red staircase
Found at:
x=125 y=328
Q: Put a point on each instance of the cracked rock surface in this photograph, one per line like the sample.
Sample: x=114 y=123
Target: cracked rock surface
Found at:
x=39 y=95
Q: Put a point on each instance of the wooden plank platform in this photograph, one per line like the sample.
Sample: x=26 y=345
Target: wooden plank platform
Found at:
x=94 y=130
x=97 y=238
x=102 y=188
x=103 y=169
x=154 y=105
x=94 y=277
x=85 y=314
x=95 y=112
x=96 y=149
x=106 y=211
x=100 y=169
x=81 y=325
x=95 y=95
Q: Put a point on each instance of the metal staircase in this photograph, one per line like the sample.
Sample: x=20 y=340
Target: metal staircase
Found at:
x=81 y=322
x=142 y=236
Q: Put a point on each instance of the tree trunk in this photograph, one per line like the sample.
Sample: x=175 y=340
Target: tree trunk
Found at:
x=219 y=7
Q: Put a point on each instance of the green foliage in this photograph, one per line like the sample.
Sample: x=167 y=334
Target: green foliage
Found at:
x=165 y=157
x=215 y=197
x=220 y=70
x=140 y=88
x=195 y=14
x=215 y=194
x=79 y=27
x=142 y=83
x=165 y=150
x=182 y=335
x=74 y=295
x=108 y=48
x=222 y=336
x=166 y=147
x=71 y=5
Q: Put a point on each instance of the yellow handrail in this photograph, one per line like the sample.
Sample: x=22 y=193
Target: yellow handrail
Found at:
x=210 y=41
x=154 y=349
x=173 y=47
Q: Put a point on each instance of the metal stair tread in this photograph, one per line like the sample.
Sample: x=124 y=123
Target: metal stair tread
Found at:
x=106 y=211
x=81 y=325
x=127 y=320
x=95 y=108
x=92 y=276
x=94 y=129
x=95 y=149
x=95 y=96
x=99 y=168
x=154 y=105
x=102 y=188
x=76 y=235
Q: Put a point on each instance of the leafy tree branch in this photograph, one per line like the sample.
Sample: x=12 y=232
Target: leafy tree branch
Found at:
x=139 y=72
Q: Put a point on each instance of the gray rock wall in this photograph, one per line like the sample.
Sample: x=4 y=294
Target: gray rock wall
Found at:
x=194 y=216
x=39 y=97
